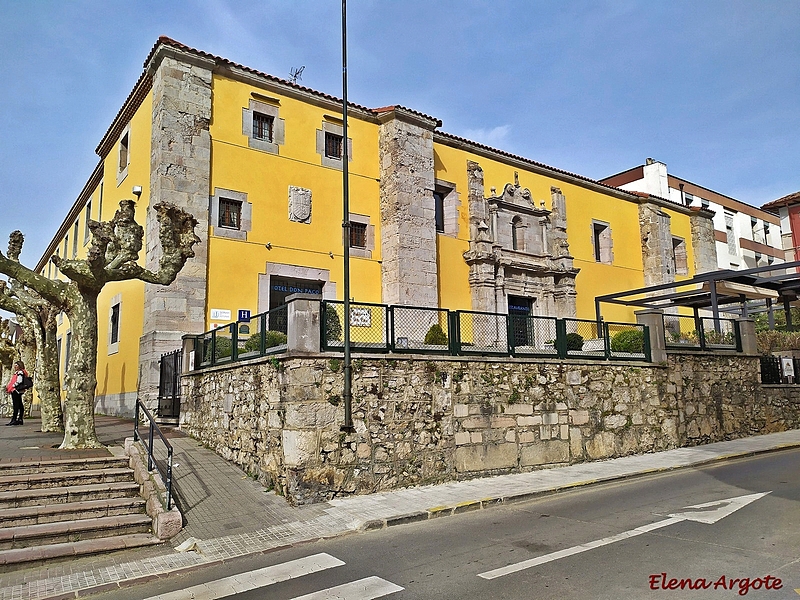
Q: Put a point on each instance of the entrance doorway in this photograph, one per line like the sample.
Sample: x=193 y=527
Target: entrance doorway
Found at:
x=519 y=309
x=282 y=287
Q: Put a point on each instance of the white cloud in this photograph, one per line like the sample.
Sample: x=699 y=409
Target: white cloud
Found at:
x=495 y=137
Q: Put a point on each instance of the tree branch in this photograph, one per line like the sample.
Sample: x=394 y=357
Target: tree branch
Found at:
x=51 y=290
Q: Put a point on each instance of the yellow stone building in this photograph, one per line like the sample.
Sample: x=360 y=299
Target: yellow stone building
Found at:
x=437 y=220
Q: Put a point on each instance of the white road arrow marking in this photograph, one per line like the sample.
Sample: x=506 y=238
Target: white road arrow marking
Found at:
x=723 y=509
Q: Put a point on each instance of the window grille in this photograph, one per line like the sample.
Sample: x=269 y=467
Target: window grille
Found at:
x=230 y=213
x=262 y=126
x=438 y=202
x=333 y=145
x=358 y=235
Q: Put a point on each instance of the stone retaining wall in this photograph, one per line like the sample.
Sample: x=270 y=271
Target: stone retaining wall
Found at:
x=423 y=420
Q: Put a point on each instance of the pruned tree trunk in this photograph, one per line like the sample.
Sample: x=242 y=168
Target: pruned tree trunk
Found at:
x=46 y=380
x=26 y=351
x=112 y=256
x=80 y=379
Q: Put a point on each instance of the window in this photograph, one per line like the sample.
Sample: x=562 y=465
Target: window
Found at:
x=333 y=145
x=438 y=203
x=689 y=198
x=358 y=235
x=601 y=239
x=123 y=153
x=86 y=230
x=114 y=325
x=230 y=213
x=262 y=126
x=67 y=348
x=66 y=245
x=679 y=255
x=114 y=321
x=75 y=240
x=731 y=237
x=100 y=204
x=330 y=140
x=362 y=236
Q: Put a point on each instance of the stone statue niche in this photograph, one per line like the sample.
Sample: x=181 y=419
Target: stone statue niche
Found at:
x=518 y=249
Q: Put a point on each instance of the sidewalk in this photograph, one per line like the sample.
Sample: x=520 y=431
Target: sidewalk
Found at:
x=230 y=515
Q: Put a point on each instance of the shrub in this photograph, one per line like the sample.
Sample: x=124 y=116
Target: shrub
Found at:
x=223 y=348
x=274 y=338
x=252 y=344
x=435 y=336
x=333 y=325
x=630 y=340
x=574 y=341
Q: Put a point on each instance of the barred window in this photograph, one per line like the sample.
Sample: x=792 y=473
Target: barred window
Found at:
x=230 y=213
x=114 y=336
x=262 y=126
x=358 y=235
x=333 y=145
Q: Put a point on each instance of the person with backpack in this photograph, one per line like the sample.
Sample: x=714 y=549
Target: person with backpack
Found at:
x=19 y=382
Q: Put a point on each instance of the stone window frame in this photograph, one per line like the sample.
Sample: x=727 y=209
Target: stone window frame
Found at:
x=278 y=127
x=680 y=256
x=451 y=202
x=116 y=302
x=370 y=246
x=603 y=253
x=122 y=170
x=75 y=239
x=246 y=215
x=335 y=129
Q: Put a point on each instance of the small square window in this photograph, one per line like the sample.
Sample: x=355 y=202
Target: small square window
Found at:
x=230 y=213
x=114 y=336
x=263 y=126
x=358 y=235
x=333 y=145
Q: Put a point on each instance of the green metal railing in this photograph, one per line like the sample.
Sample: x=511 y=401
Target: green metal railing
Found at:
x=383 y=328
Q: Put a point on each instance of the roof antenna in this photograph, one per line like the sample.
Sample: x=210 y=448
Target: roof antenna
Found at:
x=296 y=74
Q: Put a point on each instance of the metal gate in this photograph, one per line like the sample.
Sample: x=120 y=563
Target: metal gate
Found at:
x=169 y=385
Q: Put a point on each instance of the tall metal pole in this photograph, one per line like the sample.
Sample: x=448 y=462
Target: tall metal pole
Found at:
x=348 y=369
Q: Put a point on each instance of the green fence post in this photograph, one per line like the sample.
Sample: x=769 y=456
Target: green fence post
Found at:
x=390 y=327
x=561 y=338
x=738 y=335
x=648 y=356
x=510 y=335
x=262 y=338
x=213 y=347
x=235 y=342
x=606 y=340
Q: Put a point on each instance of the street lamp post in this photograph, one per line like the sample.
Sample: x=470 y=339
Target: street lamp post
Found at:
x=348 y=369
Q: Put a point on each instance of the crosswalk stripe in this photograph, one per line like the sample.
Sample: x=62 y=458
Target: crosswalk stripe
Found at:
x=251 y=580
x=363 y=589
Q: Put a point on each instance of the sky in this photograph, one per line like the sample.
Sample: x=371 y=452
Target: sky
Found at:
x=710 y=87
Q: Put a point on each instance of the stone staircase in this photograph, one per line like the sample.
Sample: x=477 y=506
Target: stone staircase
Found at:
x=67 y=508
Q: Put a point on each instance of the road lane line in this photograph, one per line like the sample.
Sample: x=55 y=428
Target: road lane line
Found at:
x=244 y=582
x=363 y=589
x=540 y=560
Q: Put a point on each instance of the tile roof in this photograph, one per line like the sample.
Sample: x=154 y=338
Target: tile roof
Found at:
x=785 y=201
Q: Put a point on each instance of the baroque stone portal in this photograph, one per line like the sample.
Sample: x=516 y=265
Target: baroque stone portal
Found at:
x=518 y=249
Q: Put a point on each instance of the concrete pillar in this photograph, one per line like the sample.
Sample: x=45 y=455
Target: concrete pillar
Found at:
x=747 y=331
x=303 y=324
x=654 y=319
x=189 y=343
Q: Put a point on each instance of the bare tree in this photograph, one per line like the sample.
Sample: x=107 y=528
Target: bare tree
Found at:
x=112 y=257
x=37 y=317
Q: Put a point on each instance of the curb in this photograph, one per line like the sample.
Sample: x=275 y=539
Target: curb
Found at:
x=472 y=505
x=418 y=516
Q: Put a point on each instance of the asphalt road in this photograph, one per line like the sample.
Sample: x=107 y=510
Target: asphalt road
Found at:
x=445 y=558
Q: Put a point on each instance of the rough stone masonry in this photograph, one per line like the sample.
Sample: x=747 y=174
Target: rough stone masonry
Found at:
x=422 y=420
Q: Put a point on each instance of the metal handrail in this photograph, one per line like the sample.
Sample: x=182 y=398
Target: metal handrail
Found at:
x=166 y=476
